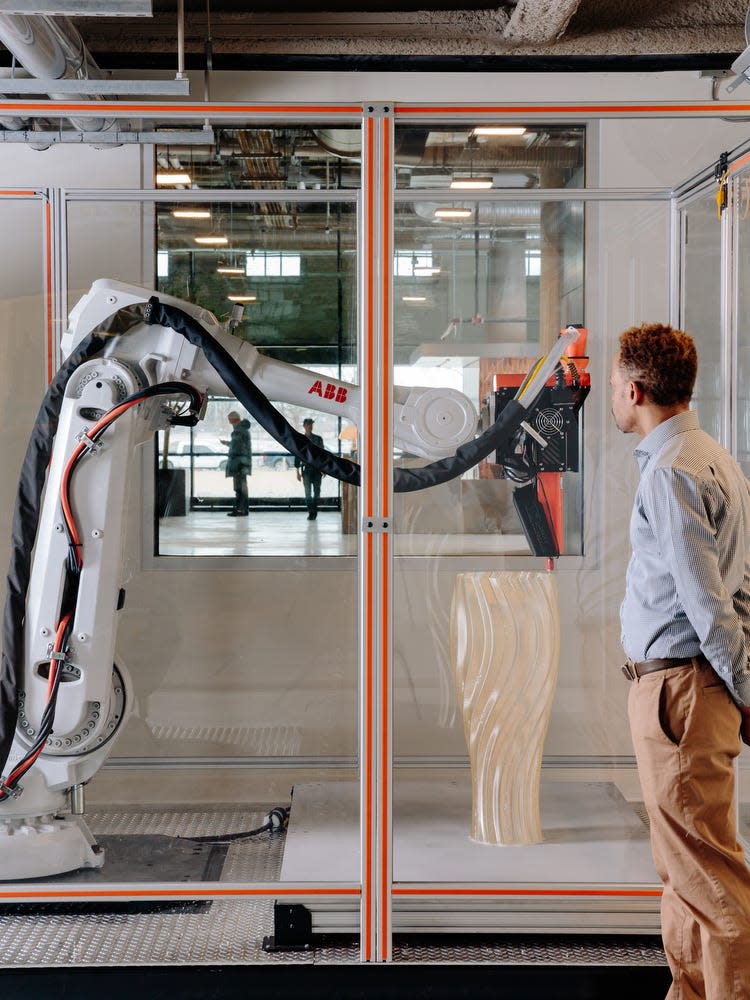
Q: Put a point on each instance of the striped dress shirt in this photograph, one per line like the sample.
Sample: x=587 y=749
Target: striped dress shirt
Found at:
x=688 y=581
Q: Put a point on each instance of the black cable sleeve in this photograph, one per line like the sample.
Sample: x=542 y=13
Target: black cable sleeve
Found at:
x=23 y=536
x=498 y=437
x=252 y=398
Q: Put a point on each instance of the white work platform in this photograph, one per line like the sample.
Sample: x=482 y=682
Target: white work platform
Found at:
x=592 y=873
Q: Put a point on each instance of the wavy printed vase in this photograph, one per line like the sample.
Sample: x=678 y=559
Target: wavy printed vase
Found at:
x=505 y=648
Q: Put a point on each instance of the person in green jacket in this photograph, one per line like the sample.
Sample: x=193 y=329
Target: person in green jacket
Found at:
x=239 y=462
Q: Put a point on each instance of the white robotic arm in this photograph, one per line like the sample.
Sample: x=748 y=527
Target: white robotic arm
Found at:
x=41 y=829
x=431 y=423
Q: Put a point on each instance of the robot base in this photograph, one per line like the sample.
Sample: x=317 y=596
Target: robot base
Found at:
x=40 y=846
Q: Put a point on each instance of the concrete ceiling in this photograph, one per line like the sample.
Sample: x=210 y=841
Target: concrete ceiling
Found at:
x=543 y=33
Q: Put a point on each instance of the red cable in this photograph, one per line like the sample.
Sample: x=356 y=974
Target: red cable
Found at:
x=98 y=427
x=23 y=766
x=54 y=664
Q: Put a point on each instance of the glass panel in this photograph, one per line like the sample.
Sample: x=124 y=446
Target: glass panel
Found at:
x=478 y=299
x=481 y=155
x=743 y=328
x=701 y=306
x=503 y=737
x=208 y=695
x=93 y=252
x=292 y=269
x=24 y=347
x=280 y=156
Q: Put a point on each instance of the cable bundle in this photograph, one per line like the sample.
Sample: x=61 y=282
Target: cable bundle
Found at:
x=87 y=445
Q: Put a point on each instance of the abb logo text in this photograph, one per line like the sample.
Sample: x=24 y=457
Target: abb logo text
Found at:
x=328 y=391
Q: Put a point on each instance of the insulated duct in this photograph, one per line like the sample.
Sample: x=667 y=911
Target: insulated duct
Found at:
x=51 y=49
x=517 y=214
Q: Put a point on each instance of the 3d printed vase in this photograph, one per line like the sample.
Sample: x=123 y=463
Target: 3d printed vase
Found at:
x=505 y=647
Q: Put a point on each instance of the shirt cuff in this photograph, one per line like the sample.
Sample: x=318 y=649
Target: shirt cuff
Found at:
x=741 y=693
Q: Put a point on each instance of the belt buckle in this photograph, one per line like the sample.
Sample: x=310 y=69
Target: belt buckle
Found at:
x=629 y=671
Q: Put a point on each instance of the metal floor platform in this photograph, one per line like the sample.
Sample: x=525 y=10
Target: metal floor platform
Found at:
x=227 y=933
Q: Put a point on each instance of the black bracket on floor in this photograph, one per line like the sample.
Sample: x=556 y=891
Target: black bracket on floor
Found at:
x=292 y=928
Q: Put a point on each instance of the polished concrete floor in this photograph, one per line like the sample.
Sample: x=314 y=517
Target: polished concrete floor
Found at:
x=290 y=533
x=262 y=532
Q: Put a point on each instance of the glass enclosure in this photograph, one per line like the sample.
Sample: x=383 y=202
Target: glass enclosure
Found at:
x=360 y=712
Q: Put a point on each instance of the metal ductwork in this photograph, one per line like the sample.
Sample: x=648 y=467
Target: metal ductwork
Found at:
x=509 y=215
x=13 y=124
x=51 y=49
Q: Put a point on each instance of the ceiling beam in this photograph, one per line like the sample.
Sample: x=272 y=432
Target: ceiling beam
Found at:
x=534 y=22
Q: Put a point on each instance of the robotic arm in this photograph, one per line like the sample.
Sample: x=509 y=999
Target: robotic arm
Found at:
x=59 y=641
x=431 y=423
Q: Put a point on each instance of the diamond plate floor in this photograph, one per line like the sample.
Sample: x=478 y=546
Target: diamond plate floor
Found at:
x=230 y=932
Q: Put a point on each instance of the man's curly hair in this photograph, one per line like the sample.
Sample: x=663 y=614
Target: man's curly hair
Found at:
x=662 y=360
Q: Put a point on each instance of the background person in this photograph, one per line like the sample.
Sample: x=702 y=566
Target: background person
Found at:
x=686 y=633
x=310 y=477
x=239 y=462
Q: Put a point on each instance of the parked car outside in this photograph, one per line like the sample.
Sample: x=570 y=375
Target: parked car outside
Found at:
x=207 y=453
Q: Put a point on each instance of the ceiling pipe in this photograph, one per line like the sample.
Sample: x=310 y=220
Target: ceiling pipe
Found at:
x=52 y=49
x=14 y=124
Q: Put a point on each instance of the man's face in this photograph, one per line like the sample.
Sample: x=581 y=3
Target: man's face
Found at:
x=308 y=428
x=622 y=407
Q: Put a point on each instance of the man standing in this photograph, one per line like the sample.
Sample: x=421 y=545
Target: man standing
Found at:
x=686 y=632
x=239 y=462
x=310 y=476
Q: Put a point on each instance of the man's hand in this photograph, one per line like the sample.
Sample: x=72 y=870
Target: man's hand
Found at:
x=299 y=476
x=745 y=724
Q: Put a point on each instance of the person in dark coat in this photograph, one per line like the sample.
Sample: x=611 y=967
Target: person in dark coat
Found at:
x=239 y=462
x=309 y=476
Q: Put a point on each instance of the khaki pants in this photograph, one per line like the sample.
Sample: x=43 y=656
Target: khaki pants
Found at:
x=685 y=731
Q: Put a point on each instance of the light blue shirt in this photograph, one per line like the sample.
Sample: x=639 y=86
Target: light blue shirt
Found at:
x=688 y=581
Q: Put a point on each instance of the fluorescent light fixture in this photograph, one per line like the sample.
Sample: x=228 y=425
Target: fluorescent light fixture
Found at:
x=191 y=213
x=231 y=270
x=471 y=183
x=413 y=298
x=242 y=298
x=425 y=272
x=173 y=177
x=500 y=130
x=211 y=241
x=453 y=213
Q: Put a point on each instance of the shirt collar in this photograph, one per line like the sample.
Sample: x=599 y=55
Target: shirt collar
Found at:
x=654 y=441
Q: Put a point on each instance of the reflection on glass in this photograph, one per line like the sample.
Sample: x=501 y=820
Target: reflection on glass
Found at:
x=194 y=488
x=700 y=313
x=286 y=282
x=478 y=300
x=481 y=156
x=283 y=156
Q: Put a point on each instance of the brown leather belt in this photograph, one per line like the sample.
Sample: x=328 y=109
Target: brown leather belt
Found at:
x=633 y=670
